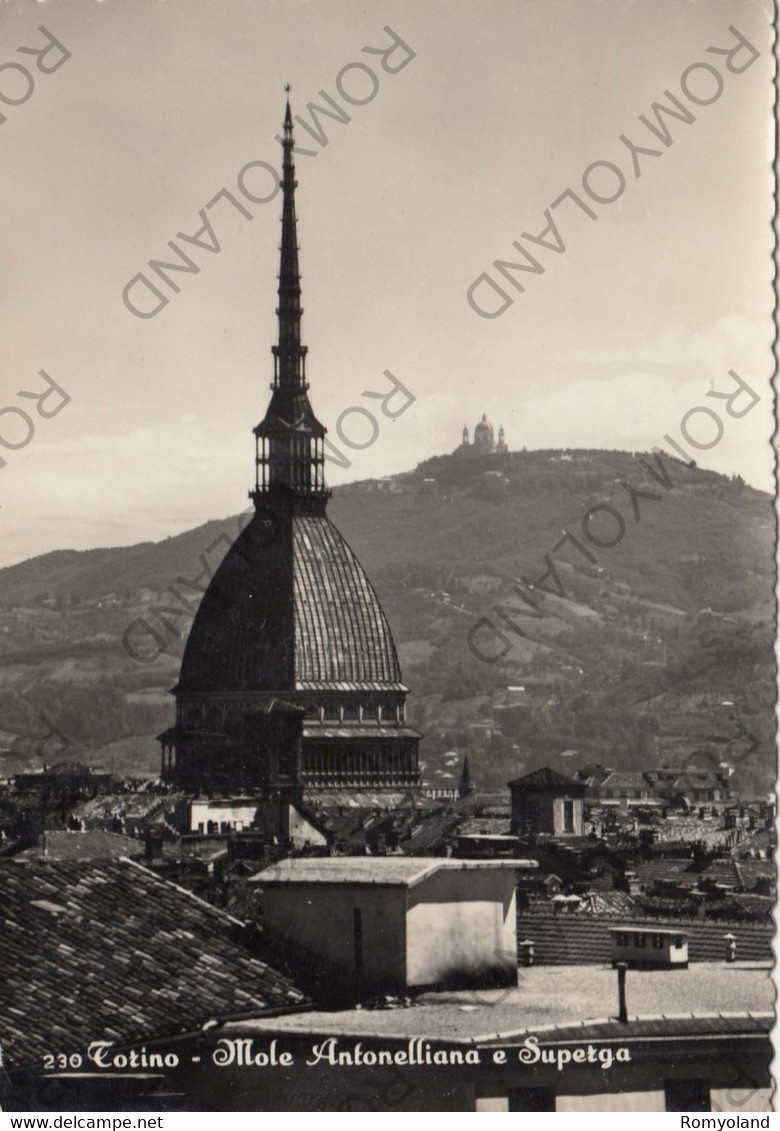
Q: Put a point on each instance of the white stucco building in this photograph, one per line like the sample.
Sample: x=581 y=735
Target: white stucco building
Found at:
x=393 y=924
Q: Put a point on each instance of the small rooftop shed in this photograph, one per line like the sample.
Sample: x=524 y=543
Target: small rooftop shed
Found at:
x=650 y=945
x=354 y=927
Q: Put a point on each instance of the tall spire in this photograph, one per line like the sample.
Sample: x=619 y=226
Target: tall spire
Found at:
x=290 y=440
x=289 y=353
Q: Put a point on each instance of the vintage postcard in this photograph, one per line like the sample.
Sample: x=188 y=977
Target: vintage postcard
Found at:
x=387 y=616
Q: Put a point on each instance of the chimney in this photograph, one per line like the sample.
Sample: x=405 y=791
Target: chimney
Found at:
x=153 y=843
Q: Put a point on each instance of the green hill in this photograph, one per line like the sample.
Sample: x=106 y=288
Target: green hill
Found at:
x=659 y=647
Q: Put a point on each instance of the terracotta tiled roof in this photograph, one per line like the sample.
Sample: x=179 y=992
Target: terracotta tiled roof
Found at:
x=758 y=842
x=723 y=872
x=547 y=779
x=740 y=874
x=662 y=869
x=94 y=844
x=606 y=902
x=481 y=826
x=625 y=779
x=754 y=904
x=433 y=831
x=751 y=871
x=570 y=940
x=109 y=951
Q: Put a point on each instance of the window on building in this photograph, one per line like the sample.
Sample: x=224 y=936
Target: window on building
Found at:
x=622 y=940
x=351 y=711
x=331 y=711
x=388 y=714
x=658 y=942
x=640 y=940
x=568 y=816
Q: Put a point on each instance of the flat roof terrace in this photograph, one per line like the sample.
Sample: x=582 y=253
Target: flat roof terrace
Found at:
x=546 y=996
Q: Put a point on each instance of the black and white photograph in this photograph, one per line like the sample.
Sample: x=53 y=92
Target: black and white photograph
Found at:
x=387 y=559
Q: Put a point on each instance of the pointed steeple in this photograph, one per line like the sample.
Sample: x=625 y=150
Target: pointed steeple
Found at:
x=289 y=353
x=290 y=440
x=466 y=784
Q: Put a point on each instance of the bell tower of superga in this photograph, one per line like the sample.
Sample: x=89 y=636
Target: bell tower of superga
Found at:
x=290 y=679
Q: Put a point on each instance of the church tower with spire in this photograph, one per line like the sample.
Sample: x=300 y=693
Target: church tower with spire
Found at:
x=290 y=682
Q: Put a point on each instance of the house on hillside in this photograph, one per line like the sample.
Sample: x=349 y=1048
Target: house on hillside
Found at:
x=592 y=777
x=626 y=789
x=688 y=787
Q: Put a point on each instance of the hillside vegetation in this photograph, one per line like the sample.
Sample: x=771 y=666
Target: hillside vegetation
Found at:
x=656 y=648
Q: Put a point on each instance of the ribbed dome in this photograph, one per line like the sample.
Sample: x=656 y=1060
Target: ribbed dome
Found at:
x=268 y=623
x=341 y=633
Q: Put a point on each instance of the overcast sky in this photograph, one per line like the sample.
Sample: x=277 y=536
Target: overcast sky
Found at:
x=503 y=107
